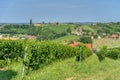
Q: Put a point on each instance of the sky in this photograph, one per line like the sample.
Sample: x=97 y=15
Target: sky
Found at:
x=18 y=11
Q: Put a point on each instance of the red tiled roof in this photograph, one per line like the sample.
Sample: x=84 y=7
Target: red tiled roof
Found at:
x=77 y=43
x=74 y=44
x=31 y=37
x=114 y=35
x=89 y=46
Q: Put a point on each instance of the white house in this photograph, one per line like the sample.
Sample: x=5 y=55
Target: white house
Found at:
x=0 y=36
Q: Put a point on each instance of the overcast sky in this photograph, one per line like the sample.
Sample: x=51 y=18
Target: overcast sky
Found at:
x=16 y=11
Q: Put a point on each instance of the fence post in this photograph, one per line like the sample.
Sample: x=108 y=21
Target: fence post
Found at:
x=80 y=55
x=23 y=67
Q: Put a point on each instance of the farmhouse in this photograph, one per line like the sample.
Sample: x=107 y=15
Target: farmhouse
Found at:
x=78 y=31
x=31 y=37
x=114 y=36
x=1 y=26
x=55 y=23
x=36 y=24
x=74 y=44
x=99 y=37
x=0 y=36
x=77 y=43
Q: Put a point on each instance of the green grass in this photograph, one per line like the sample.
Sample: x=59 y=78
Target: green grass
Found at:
x=87 y=28
x=59 y=28
x=69 y=69
x=67 y=38
x=7 y=75
x=110 y=43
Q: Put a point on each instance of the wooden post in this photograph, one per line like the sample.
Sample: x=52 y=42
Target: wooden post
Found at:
x=80 y=55
x=23 y=67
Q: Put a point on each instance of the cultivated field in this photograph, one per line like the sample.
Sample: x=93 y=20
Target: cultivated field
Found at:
x=70 y=69
x=111 y=43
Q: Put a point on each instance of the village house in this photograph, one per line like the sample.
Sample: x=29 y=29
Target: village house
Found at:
x=92 y=37
x=36 y=24
x=1 y=26
x=78 y=31
x=77 y=43
x=99 y=37
x=1 y=36
x=114 y=36
x=31 y=37
x=55 y=23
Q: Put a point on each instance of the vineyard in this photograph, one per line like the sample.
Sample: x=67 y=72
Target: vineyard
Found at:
x=41 y=54
x=38 y=53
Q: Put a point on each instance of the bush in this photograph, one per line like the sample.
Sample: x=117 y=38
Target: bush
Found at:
x=11 y=49
x=86 y=40
x=39 y=54
x=85 y=52
x=45 y=52
x=102 y=53
x=2 y=63
x=114 y=54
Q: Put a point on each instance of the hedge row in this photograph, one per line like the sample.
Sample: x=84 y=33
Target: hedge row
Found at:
x=11 y=49
x=39 y=53
x=111 y=53
x=85 y=52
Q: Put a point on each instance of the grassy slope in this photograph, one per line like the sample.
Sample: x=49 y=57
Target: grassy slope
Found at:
x=111 y=43
x=87 y=28
x=90 y=69
x=67 y=38
x=59 y=28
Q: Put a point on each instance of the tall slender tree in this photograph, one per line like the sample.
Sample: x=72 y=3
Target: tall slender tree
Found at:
x=30 y=22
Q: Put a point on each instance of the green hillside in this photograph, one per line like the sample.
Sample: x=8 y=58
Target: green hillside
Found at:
x=69 y=69
x=111 y=43
x=65 y=39
x=59 y=28
x=87 y=28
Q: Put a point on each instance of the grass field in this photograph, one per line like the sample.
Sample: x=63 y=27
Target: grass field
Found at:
x=59 y=28
x=111 y=43
x=69 y=69
x=97 y=43
x=87 y=28
x=67 y=38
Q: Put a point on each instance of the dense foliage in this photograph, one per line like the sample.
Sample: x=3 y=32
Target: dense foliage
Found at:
x=11 y=49
x=85 y=40
x=38 y=53
x=44 y=53
x=102 y=53
x=52 y=31
x=113 y=53
x=2 y=63
x=84 y=52
x=108 y=28
x=44 y=32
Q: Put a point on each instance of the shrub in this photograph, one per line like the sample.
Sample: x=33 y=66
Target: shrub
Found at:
x=45 y=52
x=38 y=53
x=11 y=49
x=2 y=63
x=85 y=52
x=85 y=40
x=102 y=53
x=114 y=54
